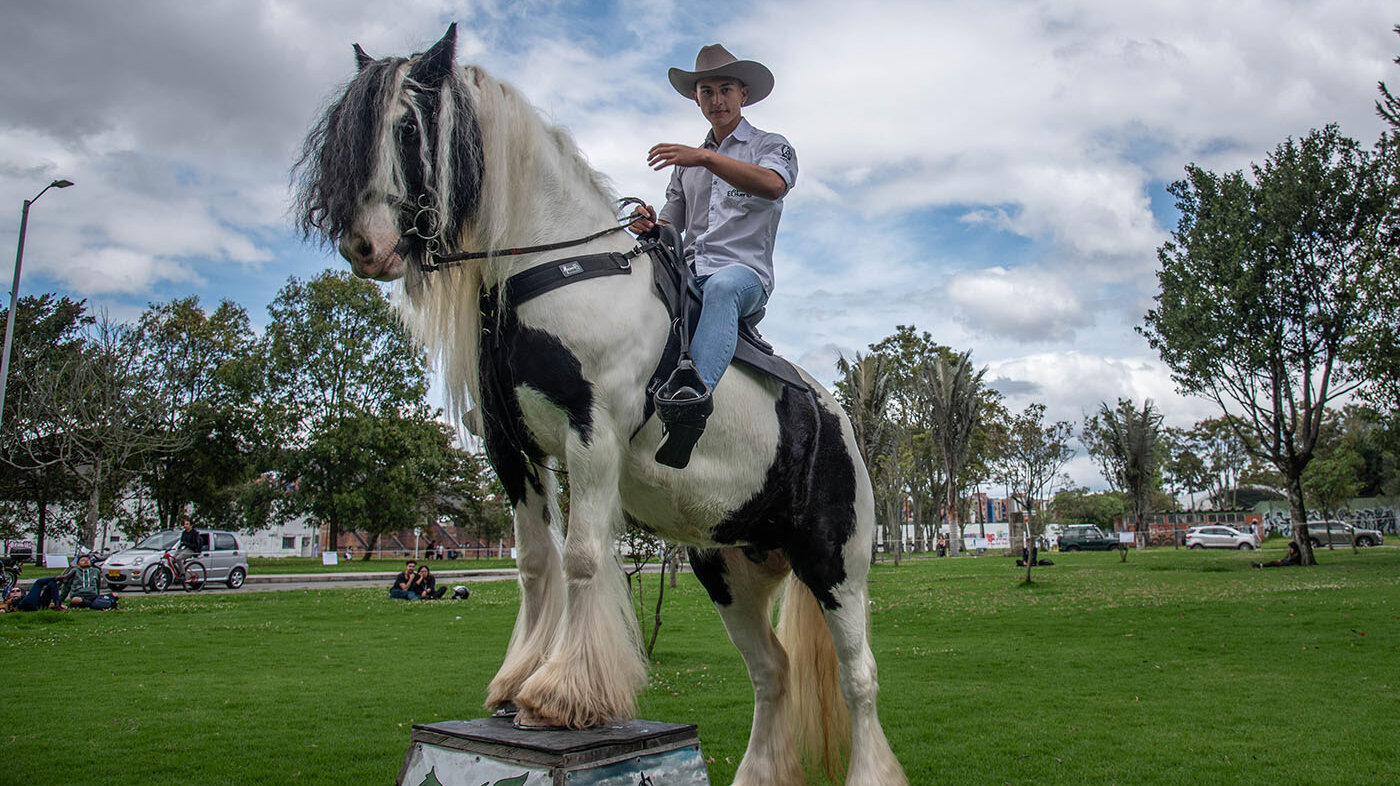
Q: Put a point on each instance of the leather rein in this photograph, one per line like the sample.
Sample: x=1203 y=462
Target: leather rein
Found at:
x=433 y=261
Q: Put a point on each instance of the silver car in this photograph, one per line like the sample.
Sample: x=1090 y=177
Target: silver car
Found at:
x=223 y=557
x=1339 y=533
x=1218 y=537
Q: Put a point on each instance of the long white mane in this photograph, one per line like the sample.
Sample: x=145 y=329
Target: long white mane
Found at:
x=536 y=188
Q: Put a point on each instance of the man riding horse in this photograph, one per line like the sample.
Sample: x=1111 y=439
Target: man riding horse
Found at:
x=727 y=197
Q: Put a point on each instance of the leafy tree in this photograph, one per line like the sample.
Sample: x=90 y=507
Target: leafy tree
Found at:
x=1262 y=292
x=1184 y=470
x=951 y=393
x=1080 y=506
x=865 y=390
x=334 y=356
x=1124 y=440
x=195 y=363
x=48 y=334
x=100 y=417
x=1035 y=454
x=374 y=473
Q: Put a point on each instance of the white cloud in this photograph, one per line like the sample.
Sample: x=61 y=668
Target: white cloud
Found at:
x=1025 y=304
x=985 y=172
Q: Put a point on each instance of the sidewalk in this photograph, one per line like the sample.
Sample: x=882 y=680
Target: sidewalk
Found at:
x=374 y=576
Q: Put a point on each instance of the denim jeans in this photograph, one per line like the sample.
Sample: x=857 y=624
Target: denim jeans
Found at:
x=42 y=594
x=730 y=293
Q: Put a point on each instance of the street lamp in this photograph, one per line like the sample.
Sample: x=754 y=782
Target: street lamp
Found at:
x=14 y=291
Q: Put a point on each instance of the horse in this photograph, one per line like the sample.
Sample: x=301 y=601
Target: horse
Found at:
x=420 y=159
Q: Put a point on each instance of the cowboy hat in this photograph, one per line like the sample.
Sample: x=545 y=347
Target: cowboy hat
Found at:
x=715 y=60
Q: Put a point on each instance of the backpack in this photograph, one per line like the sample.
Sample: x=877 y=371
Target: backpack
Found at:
x=103 y=602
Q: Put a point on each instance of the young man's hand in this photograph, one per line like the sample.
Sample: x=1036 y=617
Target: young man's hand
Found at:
x=666 y=154
x=643 y=219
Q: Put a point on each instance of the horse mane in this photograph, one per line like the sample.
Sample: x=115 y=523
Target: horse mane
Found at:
x=525 y=164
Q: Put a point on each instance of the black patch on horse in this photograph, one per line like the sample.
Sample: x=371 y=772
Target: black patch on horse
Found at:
x=512 y=356
x=708 y=566
x=807 y=504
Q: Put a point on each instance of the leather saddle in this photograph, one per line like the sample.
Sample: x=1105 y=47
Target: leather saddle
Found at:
x=676 y=285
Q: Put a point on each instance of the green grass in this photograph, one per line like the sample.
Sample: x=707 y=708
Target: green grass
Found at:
x=1174 y=667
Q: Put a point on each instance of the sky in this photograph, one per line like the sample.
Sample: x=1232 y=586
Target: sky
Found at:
x=993 y=173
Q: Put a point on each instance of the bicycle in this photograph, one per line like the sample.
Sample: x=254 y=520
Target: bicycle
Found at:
x=10 y=568
x=167 y=571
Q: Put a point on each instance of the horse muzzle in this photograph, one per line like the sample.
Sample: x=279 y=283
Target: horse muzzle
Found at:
x=372 y=257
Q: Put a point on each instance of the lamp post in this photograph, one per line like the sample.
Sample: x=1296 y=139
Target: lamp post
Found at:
x=14 y=291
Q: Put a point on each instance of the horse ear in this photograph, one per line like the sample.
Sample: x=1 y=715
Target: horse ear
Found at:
x=361 y=58
x=434 y=65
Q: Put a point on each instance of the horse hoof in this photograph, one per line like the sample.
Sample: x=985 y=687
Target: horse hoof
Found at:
x=505 y=709
x=531 y=725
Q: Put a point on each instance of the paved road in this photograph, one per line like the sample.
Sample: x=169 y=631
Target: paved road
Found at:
x=278 y=582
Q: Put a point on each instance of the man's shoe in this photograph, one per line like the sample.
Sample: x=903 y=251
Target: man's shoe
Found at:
x=683 y=405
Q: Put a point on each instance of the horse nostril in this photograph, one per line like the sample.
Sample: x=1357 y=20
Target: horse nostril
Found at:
x=364 y=249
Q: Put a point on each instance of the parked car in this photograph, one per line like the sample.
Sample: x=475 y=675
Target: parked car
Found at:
x=1339 y=533
x=223 y=557
x=1087 y=537
x=1217 y=536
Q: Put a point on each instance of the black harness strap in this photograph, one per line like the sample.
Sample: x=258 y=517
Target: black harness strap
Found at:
x=538 y=280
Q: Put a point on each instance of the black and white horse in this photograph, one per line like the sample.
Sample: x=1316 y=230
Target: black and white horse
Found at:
x=420 y=159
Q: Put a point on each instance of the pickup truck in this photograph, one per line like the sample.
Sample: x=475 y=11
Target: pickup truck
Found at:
x=1087 y=537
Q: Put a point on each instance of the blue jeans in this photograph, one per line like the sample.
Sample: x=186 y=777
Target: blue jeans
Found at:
x=730 y=293
x=42 y=594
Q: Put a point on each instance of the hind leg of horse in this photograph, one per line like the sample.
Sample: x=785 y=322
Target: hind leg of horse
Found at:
x=872 y=762
x=743 y=593
x=541 y=577
x=596 y=666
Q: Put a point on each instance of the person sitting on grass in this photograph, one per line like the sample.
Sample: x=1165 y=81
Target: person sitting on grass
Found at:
x=1294 y=557
x=403 y=583
x=11 y=600
x=425 y=586
x=80 y=586
x=45 y=593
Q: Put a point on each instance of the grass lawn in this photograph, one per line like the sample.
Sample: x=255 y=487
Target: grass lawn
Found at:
x=1174 y=667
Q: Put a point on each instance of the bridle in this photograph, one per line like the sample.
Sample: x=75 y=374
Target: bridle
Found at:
x=434 y=261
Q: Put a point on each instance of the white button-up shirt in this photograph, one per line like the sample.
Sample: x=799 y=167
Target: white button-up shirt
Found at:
x=722 y=225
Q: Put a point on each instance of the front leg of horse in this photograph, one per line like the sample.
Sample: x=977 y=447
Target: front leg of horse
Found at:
x=596 y=667
x=539 y=562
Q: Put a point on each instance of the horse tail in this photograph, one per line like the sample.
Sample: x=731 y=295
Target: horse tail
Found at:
x=816 y=710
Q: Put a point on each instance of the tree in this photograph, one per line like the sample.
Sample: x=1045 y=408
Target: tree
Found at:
x=1262 y=292
x=335 y=353
x=1079 y=506
x=195 y=364
x=1033 y=458
x=48 y=335
x=1184 y=470
x=951 y=393
x=374 y=473
x=100 y=418
x=1125 y=442
x=864 y=389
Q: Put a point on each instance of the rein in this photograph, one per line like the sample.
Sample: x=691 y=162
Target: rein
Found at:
x=434 y=261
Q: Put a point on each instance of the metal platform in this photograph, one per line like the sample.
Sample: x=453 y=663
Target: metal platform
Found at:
x=492 y=752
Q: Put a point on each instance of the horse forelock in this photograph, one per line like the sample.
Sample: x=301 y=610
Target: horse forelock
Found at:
x=340 y=157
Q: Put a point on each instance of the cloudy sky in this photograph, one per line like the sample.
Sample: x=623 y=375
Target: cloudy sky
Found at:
x=991 y=172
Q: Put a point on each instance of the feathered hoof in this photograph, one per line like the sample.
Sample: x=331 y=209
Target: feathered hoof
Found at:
x=568 y=699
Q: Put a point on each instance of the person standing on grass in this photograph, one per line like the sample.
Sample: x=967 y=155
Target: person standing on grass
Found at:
x=726 y=197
